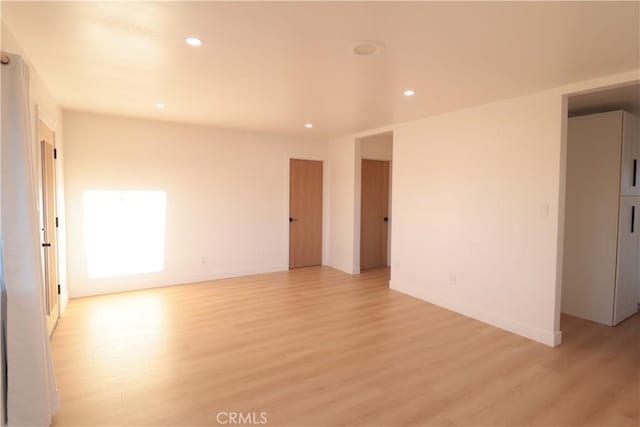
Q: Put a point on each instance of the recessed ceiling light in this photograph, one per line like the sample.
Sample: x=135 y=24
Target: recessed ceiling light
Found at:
x=308 y=125
x=368 y=47
x=159 y=105
x=193 y=41
x=409 y=92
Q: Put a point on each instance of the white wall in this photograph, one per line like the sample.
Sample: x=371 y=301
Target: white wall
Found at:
x=342 y=231
x=475 y=212
x=227 y=195
x=44 y=105
x=377 y=147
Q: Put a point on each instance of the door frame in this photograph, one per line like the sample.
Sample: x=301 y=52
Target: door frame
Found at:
x=579 y=88
x=44 y=118
x=325 y=205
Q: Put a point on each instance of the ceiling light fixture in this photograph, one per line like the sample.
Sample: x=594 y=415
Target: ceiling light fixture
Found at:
x=159 y=105
x=308 y=125
x=193 y=41
x=368 y=48
x=409 y=92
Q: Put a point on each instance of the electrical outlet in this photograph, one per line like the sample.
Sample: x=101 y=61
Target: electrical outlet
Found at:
x=203 y=260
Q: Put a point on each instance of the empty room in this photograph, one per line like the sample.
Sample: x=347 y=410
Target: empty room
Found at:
x=320 y=213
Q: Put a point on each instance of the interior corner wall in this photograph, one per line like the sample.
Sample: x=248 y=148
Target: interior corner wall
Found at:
x=357 y=205
x=226 y=195
x=342 y=174
x=43 y=103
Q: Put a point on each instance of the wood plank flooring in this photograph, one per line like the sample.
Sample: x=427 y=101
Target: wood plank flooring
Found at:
x=316 y=347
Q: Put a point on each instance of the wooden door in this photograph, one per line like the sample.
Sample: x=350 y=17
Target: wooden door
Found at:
x=305 y=213
x=49 y=243
x=374 y=213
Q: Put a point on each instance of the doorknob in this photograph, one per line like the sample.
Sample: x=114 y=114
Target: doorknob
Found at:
x=386 y=218
x=292 y=219
x=46 y=245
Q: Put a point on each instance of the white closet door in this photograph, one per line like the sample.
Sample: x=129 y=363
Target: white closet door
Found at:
x=630 y=173
x=627 y=272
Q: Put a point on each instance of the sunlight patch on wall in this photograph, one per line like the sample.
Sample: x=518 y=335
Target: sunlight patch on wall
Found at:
x=124 y=232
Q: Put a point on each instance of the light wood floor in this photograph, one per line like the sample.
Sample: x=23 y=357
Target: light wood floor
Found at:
x=316 y=347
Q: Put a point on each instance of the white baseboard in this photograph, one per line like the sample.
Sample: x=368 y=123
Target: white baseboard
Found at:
x=557 y=338
x=64 y=301
x=343 y=268
x=135 y=284
x=549 y=338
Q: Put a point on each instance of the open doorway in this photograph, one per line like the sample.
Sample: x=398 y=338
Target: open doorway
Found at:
x=375 y=160
x=601 y=250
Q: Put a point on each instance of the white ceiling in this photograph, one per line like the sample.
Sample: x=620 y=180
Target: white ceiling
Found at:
x=275 y=66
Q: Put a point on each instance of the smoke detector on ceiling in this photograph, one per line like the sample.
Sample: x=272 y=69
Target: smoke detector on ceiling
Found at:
x=368 y=48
